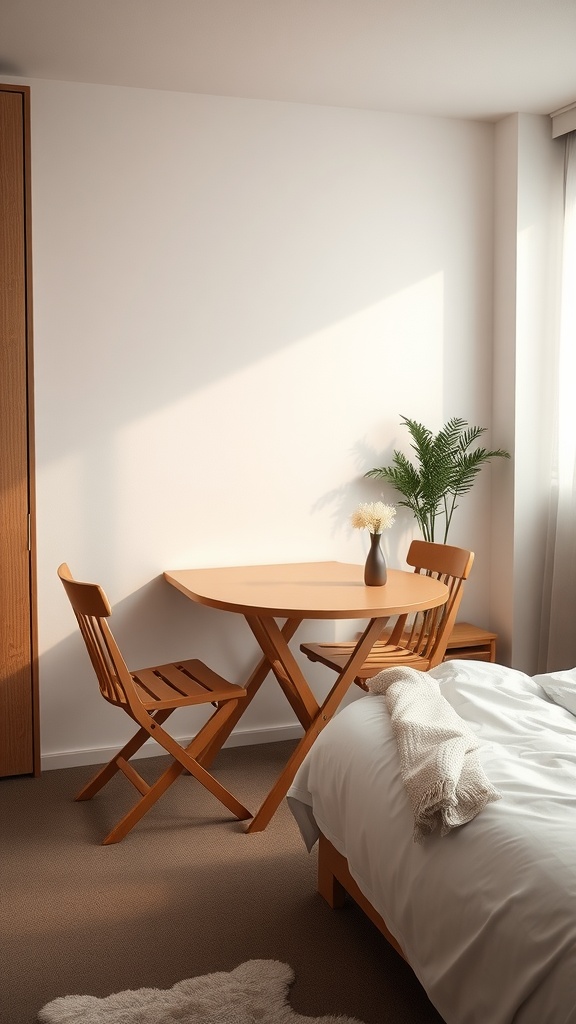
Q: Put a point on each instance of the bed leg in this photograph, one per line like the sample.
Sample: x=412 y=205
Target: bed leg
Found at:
x=328 y=885
x=335 y=881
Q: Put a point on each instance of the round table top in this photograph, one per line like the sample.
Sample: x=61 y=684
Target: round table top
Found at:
x=314 y=590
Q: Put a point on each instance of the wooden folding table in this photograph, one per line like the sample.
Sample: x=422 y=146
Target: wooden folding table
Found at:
x=293 y=592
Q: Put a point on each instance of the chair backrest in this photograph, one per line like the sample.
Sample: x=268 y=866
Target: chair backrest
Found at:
x=430 y=630
x=92 y=609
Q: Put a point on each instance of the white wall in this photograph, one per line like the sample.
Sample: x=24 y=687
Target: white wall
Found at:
x=234 y=303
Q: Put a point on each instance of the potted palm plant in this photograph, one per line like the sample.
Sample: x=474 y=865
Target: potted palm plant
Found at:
x=446 y=468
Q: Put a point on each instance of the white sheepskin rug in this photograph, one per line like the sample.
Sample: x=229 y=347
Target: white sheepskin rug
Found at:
x=256 y=991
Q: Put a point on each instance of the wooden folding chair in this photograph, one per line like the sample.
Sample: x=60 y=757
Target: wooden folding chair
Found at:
x=149 y=696
x=422 y=643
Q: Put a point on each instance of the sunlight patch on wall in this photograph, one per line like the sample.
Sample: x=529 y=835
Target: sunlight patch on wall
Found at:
x=267 y=455
x=322 y=384
x=264 y=463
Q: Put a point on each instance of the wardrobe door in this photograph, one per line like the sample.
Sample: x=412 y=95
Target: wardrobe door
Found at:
x=19 y=732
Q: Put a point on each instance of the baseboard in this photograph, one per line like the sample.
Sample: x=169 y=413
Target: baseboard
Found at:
x=239 y=738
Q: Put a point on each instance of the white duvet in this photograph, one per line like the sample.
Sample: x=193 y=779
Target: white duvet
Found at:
x=486 y=914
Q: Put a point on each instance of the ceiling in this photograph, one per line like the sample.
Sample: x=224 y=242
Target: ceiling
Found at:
x=478 y=59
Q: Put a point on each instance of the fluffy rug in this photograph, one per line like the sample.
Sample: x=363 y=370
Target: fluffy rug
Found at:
x=256 y=991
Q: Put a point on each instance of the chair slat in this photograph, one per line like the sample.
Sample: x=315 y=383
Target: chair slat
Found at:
x=219 y=687
x=155 y=685
x=187 y=682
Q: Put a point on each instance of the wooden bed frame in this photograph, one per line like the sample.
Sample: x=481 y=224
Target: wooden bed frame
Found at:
x=335 y=881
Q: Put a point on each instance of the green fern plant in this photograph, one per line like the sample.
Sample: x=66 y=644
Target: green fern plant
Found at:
x=446 y=469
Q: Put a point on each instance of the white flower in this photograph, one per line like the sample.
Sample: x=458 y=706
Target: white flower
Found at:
x=374 y=515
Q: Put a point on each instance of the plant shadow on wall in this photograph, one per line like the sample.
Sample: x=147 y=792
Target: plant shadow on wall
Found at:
x=447 y=466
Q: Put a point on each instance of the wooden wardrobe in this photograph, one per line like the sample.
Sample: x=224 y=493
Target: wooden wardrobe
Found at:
x=19 y=713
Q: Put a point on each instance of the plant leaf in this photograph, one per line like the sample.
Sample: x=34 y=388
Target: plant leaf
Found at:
x=445 y=469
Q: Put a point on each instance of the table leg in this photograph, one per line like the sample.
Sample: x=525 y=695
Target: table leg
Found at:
x=252 y=685
x=285 y=668
x=320 y=720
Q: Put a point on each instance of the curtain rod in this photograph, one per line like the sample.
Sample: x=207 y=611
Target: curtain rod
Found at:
x=563 y=120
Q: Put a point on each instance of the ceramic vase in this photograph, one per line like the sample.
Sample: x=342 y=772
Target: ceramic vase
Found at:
x=375 y=574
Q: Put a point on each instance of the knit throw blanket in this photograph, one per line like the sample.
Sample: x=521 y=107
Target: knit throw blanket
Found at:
x=444 y=779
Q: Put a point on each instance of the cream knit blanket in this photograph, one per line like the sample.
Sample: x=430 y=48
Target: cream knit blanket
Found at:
x=444 y=779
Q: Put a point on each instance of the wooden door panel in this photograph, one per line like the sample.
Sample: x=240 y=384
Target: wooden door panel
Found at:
x=17 y=710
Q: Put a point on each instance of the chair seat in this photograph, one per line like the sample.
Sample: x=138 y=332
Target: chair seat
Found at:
x=381 y=656
x=182 y=684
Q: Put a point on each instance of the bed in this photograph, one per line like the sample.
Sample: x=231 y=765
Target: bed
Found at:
x=486 y=914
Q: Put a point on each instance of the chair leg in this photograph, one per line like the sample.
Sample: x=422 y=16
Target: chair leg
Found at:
x=144 y=804
x=184 y=759
x=219 y=791
x=161 y=785
x=103 y=775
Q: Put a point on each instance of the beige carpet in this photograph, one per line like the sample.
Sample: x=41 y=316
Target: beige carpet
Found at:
x=186 y=894
x=254 y=991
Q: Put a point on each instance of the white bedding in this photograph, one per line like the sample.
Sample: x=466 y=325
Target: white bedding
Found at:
x=486 y=915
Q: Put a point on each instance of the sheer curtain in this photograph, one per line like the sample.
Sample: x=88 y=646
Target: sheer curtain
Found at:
x=558 y=646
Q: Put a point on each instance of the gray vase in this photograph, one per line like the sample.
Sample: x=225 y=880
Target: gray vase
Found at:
x=375 y=573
